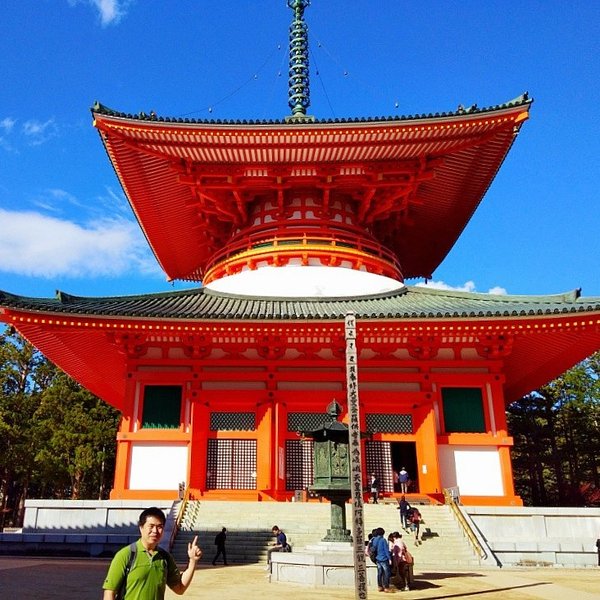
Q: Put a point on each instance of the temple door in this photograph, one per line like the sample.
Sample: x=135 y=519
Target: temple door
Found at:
x=231 y=464
x=378 y=458
x=299 y=473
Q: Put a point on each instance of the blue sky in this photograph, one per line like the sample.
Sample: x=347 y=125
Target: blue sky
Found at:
x=65 y=224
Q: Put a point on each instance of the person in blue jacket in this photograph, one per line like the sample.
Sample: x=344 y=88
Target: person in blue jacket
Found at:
x=383 y=558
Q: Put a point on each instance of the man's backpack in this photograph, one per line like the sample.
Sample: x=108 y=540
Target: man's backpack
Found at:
x=120 y=593
x=372 y=552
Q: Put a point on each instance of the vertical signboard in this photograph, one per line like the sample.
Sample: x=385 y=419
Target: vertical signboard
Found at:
x=356 y=479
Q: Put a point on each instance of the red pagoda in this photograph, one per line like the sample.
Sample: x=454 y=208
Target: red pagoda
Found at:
x=286 y=226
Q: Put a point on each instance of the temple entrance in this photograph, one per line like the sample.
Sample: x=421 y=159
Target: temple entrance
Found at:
x=404 y=454
x=231 y=465
x=378 y=461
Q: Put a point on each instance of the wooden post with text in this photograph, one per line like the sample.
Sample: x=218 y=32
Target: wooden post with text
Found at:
x=356 y=479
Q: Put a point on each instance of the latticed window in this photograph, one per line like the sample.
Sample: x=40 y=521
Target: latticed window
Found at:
x=305 y=421
x=379 y=461
x=389 y=423
x=231 y=465
x=232 y=421
x=298 y=464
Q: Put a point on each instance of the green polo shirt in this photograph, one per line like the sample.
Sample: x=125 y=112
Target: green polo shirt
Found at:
x=148 y=577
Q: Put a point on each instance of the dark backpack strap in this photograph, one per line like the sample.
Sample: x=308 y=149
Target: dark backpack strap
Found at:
x=132 y=554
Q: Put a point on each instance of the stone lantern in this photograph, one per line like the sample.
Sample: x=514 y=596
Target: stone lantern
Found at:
x=332 y=470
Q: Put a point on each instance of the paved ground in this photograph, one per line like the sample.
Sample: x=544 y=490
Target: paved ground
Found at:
x=68 y=579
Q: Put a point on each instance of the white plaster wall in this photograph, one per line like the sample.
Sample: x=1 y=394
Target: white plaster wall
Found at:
x=476 y=470
x=531 y=523
x=158 y=466
x=106 y=516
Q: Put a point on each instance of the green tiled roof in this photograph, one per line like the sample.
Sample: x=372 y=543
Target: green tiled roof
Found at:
x=407 y=303
x=521 y=100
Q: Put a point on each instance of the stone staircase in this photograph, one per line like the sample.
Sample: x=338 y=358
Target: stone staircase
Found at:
x=249 y=530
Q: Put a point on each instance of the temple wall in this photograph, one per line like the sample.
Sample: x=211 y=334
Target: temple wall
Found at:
x=475 y=471
x=157 y=466
x=245 y=410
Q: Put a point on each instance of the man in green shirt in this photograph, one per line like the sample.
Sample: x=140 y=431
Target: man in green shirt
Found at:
x=153 y=568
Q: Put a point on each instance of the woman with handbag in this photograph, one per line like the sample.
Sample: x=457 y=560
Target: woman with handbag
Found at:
x=401 y=559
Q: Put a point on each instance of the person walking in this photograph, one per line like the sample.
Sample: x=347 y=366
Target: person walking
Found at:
x=374 y=487
x=415 y=521
x=404 y=479
x=145 y=570
x=404 y=507
x=220 y=544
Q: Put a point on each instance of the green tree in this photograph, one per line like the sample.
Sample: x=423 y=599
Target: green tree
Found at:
x=56 y=439
x=557 y=447
x=76 y=439
x=23 y=373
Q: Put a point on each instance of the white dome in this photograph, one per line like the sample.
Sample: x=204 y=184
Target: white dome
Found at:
x=305 y=281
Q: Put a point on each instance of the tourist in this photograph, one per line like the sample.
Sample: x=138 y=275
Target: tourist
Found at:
x=404 y=507
x=279 y=545
x=370 y=537
x=220 y=544
x=146 y=571
x=382 y=559
x=374 y=487
x=393 y=563
x=401 y=560
x=404 y=479
x=415 y=521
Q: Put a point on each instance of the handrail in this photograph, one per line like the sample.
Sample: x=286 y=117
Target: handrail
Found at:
x=180 y=513
x=452 y=499
x=306 y=239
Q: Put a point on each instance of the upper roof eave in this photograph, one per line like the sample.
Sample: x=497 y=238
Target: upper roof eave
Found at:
x=522 y=101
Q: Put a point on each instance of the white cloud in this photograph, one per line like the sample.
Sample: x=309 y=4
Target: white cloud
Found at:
x=112 y=202
x=498 y=291
x=468 y=286
x=32 y=131
x=37 y=132
x=37 y=245
x=7 y=124
x=54 y=199
x=110 y=11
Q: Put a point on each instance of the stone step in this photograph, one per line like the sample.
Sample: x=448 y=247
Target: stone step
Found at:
x=249 y=529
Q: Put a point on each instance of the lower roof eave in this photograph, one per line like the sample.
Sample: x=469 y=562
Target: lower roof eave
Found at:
x=93 y=348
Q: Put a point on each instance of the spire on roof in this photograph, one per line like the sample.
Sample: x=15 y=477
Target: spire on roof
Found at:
x=299 y=92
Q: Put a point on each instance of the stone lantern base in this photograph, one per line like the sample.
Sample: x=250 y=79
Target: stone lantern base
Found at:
x=323 y=564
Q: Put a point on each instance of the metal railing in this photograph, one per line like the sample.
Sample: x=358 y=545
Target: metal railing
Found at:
x=184 y=496
x=452 y=499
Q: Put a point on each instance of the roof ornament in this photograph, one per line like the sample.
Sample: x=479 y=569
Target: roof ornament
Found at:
x=298 y=83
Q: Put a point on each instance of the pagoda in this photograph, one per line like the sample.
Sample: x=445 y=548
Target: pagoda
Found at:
x=284 y=227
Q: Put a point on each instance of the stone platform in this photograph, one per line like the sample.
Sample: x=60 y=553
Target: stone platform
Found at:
x=323 y=564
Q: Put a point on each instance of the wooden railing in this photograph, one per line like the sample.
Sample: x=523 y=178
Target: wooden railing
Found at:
x=452 y=499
